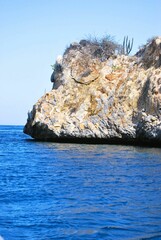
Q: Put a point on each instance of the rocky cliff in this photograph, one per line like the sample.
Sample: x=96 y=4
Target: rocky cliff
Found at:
x=115 y=100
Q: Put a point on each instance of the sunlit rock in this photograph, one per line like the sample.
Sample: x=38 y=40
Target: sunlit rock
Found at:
x=117 y=99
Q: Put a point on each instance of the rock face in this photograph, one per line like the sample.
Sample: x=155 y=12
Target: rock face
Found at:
x=117 y=100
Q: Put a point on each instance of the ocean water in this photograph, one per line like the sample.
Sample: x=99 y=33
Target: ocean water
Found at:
x=77 y=191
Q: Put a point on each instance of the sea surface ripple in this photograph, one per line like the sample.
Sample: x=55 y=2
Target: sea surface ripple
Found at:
x=77 y=191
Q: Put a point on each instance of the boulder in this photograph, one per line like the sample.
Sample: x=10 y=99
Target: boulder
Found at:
x=116 y=100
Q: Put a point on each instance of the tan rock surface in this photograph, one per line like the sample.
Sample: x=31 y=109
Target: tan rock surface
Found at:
x=117 y=100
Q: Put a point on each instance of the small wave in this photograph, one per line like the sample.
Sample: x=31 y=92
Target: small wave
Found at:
x=113 y=228
x=155 y=236
x=1 y=238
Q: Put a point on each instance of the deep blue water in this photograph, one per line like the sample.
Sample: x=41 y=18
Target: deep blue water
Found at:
x=73 y=191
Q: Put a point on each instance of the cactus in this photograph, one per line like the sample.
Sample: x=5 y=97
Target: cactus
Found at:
x=127 y=46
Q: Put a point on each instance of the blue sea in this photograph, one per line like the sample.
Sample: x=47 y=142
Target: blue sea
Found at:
x=77 y=191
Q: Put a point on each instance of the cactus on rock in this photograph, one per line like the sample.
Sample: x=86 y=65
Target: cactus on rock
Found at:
x=127 y=45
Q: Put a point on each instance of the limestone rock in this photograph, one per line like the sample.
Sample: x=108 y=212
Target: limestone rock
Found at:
x=114 y=100
x=150 y=54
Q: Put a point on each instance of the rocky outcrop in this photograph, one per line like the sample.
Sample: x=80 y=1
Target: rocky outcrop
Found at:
x=151 y=53
x=113 y=100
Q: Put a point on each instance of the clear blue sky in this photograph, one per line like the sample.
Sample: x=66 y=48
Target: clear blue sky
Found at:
x=34 y=32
